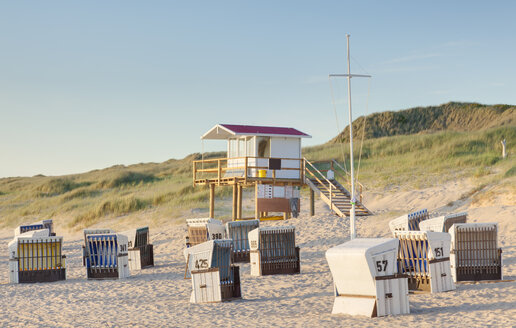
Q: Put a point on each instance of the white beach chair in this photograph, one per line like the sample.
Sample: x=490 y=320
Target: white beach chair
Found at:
x=91 y=232
x=35 y=256
x=425 y=257
x=408 y=222
x=204 y=229
x=214 y=278
x=107 y=256
x=443 y=223
x=238 y=231
x=141 y=252
x=45 y=224
x=274 y=251
x=365 y=277
x=474 y=252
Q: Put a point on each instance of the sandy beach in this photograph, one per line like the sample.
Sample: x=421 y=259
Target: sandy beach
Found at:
x=159 y=296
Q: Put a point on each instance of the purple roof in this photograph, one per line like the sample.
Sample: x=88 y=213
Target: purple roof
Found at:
x=253 y=129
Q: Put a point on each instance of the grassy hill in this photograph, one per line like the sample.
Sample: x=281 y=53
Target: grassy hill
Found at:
x=452 y=116
x=163 y=192
x=415 y=161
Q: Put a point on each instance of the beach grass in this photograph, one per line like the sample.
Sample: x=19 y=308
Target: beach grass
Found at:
x=403 y=161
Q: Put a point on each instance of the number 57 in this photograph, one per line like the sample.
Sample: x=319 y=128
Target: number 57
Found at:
x=381 y=265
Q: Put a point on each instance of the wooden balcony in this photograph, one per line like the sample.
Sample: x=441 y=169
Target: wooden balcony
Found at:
x=247 y=171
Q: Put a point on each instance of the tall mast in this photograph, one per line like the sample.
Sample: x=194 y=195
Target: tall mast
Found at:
x=352 y=211
x=353 y=198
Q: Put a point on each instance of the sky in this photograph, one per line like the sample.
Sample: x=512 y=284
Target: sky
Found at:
x=90 y=84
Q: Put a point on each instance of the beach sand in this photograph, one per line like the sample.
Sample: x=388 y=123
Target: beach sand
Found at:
x=159 y=296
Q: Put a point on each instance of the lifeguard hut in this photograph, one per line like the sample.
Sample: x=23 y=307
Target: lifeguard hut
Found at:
x=261 y=157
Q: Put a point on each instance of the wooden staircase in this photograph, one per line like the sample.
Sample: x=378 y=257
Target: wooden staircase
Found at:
x=332 y=192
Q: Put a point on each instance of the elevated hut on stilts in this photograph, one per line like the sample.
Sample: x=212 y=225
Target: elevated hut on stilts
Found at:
x=267 y=159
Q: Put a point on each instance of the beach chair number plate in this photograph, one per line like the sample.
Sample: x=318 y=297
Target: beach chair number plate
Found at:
x=381 y=265
x=201 y=264
x=438 y=251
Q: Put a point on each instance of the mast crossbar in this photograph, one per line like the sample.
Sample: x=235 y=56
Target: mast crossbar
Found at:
x=349 y=75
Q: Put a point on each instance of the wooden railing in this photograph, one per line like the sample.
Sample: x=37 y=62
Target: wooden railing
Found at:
x=216 y=169
x=314 y=173
x=334 y=166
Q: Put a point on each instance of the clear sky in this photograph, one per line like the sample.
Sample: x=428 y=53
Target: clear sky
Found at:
x=90 y=84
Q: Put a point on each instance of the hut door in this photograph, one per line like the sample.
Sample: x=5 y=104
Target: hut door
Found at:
x=263 y=152
x=264 y=147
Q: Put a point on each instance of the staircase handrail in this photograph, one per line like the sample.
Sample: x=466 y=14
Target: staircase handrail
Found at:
x=322 y=175
x=361 y=186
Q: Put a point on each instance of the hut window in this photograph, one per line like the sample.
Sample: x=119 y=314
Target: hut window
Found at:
x=250 y=147
x=241 y=147
x=233 y=148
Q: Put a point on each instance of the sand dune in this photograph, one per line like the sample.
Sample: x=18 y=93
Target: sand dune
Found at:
x=159 y=296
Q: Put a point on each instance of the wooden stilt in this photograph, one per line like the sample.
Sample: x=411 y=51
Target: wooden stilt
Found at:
x=239 y=202
x=312 y=205
x=256 y=213
x=235 y=198
x=212 y=201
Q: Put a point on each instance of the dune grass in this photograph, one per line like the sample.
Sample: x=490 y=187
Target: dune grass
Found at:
x=116 y=207
x=126 y=178
x=452 y=116
x=165 y=189
x=418 y=160
x=57 y=186
x=510 y=172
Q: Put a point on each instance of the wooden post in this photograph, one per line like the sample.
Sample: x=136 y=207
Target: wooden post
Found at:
x=246 y=170
x=331 y=198
x=312 y=205
x=194 y=172
x=256 y=213
x=302 y=165
x=235 y=198
x=239 y=202
x=212 y=200
x=219 y=172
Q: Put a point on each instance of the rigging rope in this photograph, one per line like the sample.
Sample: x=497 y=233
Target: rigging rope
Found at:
x=363 y=130
x=363 y=127
x=337 y=121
